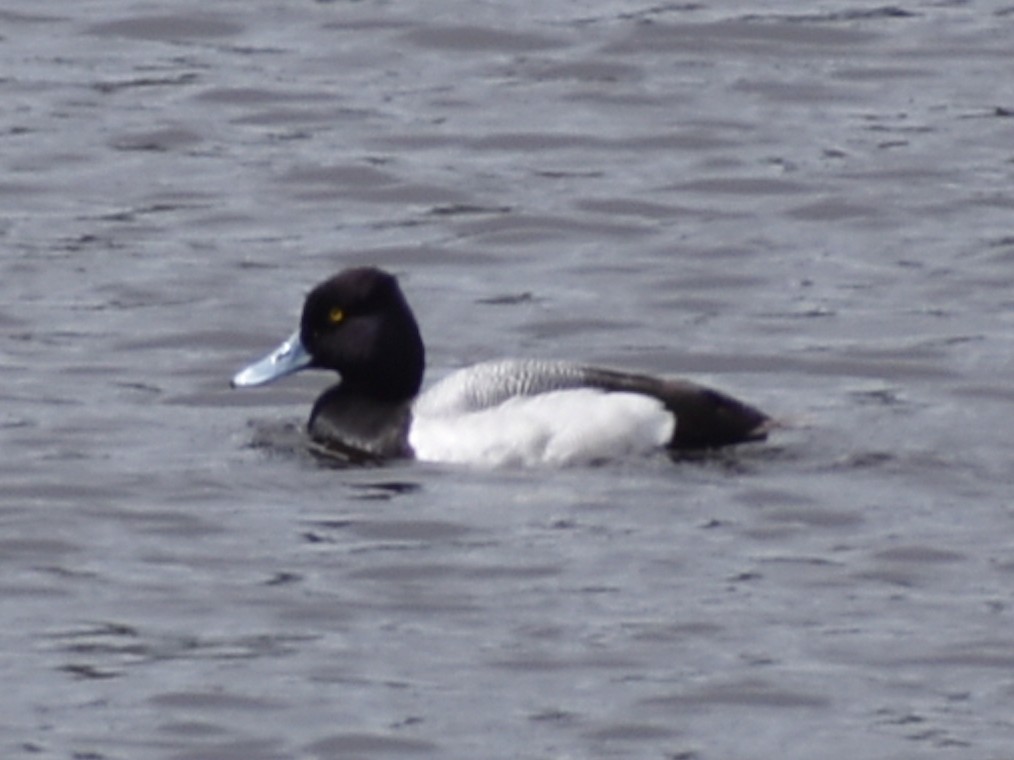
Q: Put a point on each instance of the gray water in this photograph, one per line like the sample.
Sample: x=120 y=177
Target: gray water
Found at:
x=808 y=207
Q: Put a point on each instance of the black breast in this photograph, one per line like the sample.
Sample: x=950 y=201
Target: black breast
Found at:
x=360 y=427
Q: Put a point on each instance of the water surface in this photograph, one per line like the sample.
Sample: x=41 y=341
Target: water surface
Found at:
x=810 y=209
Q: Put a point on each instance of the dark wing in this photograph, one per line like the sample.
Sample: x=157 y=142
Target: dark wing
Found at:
x=705 y=418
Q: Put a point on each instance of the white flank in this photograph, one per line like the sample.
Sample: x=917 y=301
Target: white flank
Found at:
x=563 y=427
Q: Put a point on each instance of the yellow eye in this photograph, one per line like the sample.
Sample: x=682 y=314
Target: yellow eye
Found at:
x=336 y=315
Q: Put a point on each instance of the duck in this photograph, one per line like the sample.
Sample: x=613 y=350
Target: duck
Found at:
x=504 y=412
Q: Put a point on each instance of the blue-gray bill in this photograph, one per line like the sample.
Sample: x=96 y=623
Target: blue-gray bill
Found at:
x=289 y=357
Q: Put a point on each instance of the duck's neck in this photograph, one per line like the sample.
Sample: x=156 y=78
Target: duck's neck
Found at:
x=356 y=423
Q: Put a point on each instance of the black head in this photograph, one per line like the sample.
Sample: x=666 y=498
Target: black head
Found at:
x=359 y=324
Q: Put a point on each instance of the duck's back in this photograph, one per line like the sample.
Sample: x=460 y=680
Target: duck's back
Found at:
x=489 y=384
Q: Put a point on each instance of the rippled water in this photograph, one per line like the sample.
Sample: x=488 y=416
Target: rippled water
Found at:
x=809 y=208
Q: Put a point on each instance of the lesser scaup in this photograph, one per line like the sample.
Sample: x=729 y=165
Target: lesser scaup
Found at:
x=512 y=411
